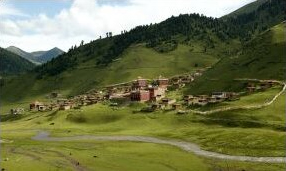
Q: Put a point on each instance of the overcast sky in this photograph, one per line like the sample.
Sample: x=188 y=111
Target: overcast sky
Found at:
x=34 y=25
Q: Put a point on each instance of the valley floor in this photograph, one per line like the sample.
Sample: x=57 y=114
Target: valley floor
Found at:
x=241 y=132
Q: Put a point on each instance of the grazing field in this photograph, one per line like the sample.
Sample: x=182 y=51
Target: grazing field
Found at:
x=24 y=154
x=88 y=122
x=257 y=132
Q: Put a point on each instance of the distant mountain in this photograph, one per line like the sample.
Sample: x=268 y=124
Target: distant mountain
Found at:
x=38 y=57
x=11 y=63
x=20 y=52
x=48 y=55
x=37 y=54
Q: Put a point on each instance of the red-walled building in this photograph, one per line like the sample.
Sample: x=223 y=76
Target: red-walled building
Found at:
x=139 y=84
x=141 y=95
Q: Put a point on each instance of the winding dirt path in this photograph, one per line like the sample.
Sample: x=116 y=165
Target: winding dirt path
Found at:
x=248 y=106
x=186 y=146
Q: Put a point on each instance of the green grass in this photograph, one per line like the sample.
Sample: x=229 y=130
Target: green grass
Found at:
x=270 y=116
x=11 y=63
x=259 y=132
x=110 y=156
x=240 y=132
x=256 y=98
x=262 y=58
x=25 y=154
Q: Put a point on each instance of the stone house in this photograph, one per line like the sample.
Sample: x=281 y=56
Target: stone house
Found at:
x=213 y=99
x=201 y=100
x=156 y=93
x=266 y=85
x=176 y=106
x=42 y=107
x=221 y=96
x=162 y=82
x=167 y=101
x=35 y=105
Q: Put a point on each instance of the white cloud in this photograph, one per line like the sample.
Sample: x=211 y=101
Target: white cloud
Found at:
x=87 y=19
x=9 y=10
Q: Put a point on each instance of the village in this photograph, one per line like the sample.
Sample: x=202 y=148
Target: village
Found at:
x=153 y=92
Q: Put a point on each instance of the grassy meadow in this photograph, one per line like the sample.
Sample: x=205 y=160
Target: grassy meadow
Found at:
x=258 y=132
x=253 y=132
x=24 y=154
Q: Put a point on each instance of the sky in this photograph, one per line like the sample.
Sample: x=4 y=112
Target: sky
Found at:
x=34 y=25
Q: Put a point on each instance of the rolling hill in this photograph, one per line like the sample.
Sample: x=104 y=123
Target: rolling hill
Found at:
x=177 y=45
x=250 y=43
x=38 y=57
x=11 y=63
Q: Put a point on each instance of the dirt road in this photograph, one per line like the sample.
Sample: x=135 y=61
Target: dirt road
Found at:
x=186 y=146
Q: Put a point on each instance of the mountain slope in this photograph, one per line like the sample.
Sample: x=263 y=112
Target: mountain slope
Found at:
x=48 y=55
x=166 y=35
x=174 y=46
x=246 y=9
x=11 y=63
x=253 y=21
x=38 y=57
x=136 y=61
x=37 y=54
x=21 y=53
x=261 y=58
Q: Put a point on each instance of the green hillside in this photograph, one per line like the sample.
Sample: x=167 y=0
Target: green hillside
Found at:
x=177 y=45
x=13 y=64
x=135 y=61
x=250 y=43
x=165 y=36
x=261 y=58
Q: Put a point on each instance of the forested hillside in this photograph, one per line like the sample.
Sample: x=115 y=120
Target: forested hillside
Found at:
x=13 y=64
x=166 y=35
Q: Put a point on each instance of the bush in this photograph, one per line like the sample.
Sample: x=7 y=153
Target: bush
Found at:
x=78 y=118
